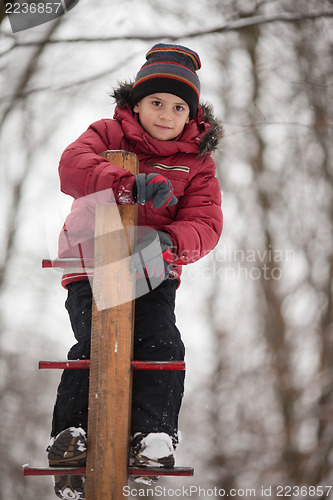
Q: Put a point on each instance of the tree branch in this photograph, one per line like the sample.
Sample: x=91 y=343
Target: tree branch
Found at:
x=29 y=71
x=71 y=84
x=256 y=125
x=239 y=24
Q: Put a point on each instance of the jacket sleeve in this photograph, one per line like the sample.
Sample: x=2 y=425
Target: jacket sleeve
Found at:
x=82 y=171
x=199 y=221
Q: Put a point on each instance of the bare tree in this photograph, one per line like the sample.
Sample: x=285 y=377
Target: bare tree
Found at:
x=279 y=387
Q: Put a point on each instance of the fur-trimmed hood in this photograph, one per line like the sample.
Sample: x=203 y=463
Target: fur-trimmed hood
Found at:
x=209 y=127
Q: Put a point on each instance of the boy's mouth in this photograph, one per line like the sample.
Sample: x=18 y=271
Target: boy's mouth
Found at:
x=163 y=127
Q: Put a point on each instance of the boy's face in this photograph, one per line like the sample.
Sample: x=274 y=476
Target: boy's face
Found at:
x=162 y=115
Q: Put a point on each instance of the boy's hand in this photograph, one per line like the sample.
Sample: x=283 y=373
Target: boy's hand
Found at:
x=153 y=256
x=155 y=189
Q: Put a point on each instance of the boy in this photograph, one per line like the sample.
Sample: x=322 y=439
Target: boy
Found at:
x=158 y=117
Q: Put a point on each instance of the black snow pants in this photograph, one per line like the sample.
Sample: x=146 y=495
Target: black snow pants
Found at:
x=157 y=395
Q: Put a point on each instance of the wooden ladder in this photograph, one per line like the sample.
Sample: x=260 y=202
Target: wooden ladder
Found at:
x=111 y=363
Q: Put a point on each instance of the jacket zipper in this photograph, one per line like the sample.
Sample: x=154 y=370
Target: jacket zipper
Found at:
x=169 y=167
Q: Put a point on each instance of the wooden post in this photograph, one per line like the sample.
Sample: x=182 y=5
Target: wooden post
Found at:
x=111 y=345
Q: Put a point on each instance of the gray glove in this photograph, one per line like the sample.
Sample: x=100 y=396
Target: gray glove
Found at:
x=152 y=256
x=155 y=189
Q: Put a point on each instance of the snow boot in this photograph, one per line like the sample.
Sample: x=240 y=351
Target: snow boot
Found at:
x=69 y=487
x=69 y=449
x=151 y=450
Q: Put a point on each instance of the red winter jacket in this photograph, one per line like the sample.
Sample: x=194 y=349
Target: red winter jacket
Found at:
x=194 y=223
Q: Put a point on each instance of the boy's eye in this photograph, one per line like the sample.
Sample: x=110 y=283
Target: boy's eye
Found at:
x=157 y=103
x=179 y=108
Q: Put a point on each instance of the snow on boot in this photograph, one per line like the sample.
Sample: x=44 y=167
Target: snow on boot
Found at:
x=148 y=480
x=68 y=449
x=151 y=450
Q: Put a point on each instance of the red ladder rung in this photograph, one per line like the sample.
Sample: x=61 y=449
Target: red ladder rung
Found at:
x=160 y=471
x=48 y=471
x=158 y=365
x=134 y=471
x=87 y=263
x=65 y=263
x=136 y=365
x=64 y=365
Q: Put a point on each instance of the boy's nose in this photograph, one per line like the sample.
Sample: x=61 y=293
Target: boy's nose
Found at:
x=165 y=114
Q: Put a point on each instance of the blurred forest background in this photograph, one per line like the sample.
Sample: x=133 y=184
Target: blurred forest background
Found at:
x=256 y=315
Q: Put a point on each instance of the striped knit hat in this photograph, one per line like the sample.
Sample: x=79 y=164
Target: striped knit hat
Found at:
x=170 y=69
